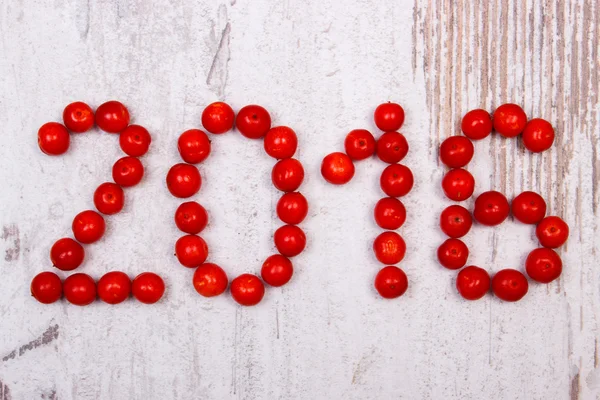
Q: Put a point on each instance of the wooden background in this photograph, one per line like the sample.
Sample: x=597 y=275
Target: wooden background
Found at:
x=320 y=67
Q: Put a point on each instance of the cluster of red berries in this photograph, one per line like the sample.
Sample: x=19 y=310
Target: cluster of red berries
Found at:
x=492 y=208
x=509 y=120
x=184 y=180
x=396 y=181
x=88 y=226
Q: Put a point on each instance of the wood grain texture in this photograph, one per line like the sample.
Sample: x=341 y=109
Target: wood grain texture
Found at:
x=321 y=68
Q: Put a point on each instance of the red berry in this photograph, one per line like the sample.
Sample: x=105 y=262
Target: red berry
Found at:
x=78 y=117
x=193 y=146
x=290 y=240
x=391 y=282
x=458 y=184
x=112 y=117
x=280 y=142
x=247 y=289
x=46 y=287
x=396 y=180
x=390 y=213
x=88 y=226
x=53 y=138
x=359 y=144
x=191 y=217
x=455 y=221
x=210 y=280
x=509 y=120
x=277 y=270
x=128 y=171
x=472 y=282
x=543 y=265
x=392 y=147
x=509 y=285
x=456 y=151
x=491 y=208
x=114 y=287
x=538 y=135
x=552 y=232
x=79 y=289
x=529 y=207
x=253 y=121
x=389 y=248
x=218 y=117
x=389 y=116
x=135 y=140
x=148 y=288
x=453 y=254
x=66 y=254
x=292 y=208
x=337 y=168
x=109 y=198
x=476 y=124
x=191 y=251
x=287 y=175
x=183 y=180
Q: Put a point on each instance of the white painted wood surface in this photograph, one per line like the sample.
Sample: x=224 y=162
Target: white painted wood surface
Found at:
x=321 y=68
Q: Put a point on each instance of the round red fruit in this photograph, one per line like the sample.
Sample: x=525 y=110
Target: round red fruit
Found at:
x=456 y=151
x=128 y=171
x=396 y=180
x=280 y=142
x=543 y=265
x=392 y=147
x=53 y=138
x=473 y=282
x=391 y=282
x=210 y=280
x=287 y=175
x=455 y=221
x=277 y=270
x=552 y=232
x=389 y=248
x=247 y=289
x=458 y=184
x=135 y=140
x=148 y=288
x=191 y=217
x=453 y=254
x=337 y=168
x=112 y=117
x=193 y=146
x=509 y=285
x=509 y=120
x=476 y=124
x=253 y=121
x=78 y=117
x=538 y=135
x=114 y=287
x=46 y=287
x=491 y=208
x=529 y=207
x=183 y=180
x=109 y=198
x=290 y=240
x=360 y=144
x=79 y=289
x=88 y=226
x=191 y=251
x=389 y=116
x=66 y=254
x=292 y=208
x=390 y=213
x=218 y=117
